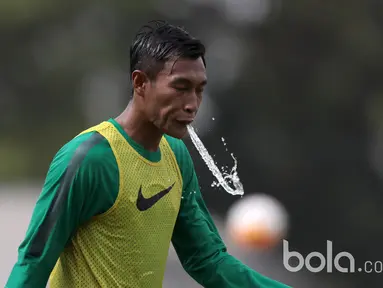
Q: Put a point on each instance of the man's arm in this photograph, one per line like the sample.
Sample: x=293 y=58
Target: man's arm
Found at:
x=70 y=196
x=199 y=246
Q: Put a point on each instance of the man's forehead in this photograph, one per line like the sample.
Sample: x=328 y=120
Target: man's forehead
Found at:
x=185 y=67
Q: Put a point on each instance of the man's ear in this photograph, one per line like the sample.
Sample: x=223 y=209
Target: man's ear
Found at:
x=140 y=81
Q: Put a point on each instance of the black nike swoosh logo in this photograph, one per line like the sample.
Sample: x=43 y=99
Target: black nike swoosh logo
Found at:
x=145 y=203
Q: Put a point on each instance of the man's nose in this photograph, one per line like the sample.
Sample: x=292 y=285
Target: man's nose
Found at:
x=191 y=106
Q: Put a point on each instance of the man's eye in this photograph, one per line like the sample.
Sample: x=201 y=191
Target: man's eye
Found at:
x=182 y=89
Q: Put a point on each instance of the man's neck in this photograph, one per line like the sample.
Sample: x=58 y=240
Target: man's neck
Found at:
x=141 y=131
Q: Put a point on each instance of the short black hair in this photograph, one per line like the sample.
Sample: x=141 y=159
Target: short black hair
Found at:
x=158 y=42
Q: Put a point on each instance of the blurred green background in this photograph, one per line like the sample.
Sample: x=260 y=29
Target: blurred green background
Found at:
x=295 y=88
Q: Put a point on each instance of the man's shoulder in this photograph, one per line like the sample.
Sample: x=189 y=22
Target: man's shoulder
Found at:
x=177 y=145
x=90 y=147
x=184 y=160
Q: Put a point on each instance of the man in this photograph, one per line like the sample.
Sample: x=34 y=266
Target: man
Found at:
x=116 y=195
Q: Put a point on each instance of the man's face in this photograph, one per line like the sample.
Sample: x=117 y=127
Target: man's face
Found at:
x=173 y=98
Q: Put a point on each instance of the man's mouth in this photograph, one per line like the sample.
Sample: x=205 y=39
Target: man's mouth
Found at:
x=185 y=121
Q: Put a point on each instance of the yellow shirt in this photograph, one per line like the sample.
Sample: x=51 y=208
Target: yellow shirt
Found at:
x=128 y=245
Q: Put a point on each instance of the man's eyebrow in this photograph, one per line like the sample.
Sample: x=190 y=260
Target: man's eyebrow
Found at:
x=182 y=80
x=177 y=80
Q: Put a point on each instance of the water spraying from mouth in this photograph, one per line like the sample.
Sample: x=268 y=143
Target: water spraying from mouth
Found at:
x=228 y=181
